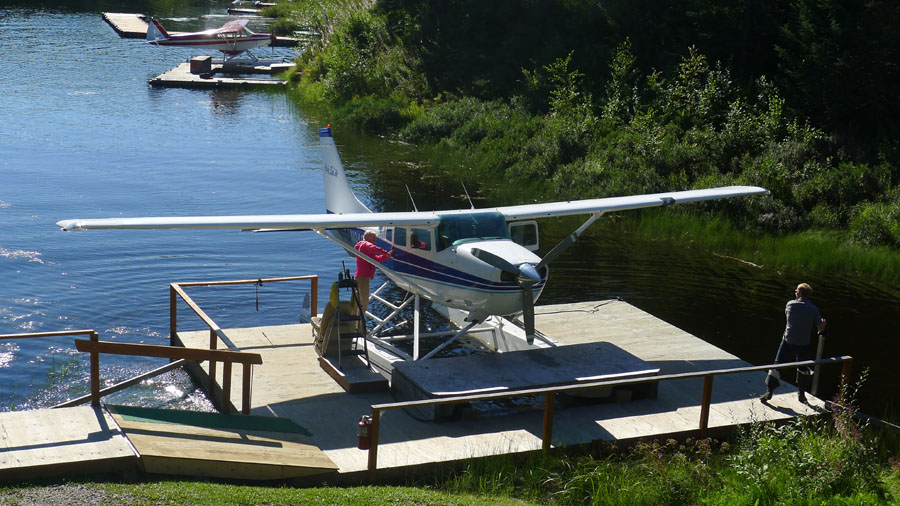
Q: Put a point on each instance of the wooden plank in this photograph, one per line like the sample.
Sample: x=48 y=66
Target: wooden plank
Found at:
x=221 y=451
x=173 y=352
x=53 y=442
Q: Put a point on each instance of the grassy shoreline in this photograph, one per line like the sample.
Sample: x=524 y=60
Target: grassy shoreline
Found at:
x=813 y=252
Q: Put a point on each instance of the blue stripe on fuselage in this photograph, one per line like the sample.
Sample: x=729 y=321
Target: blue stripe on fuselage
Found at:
x=409 y=264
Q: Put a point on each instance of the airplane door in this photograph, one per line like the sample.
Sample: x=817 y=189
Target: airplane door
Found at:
x=525 y=233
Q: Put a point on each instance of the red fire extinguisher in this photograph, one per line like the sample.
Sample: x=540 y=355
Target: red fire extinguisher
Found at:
x=363 y=436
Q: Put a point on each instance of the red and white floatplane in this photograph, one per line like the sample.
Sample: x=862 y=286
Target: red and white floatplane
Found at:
x=233 y=38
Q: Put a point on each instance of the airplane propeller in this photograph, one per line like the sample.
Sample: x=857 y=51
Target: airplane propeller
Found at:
x=526 y=275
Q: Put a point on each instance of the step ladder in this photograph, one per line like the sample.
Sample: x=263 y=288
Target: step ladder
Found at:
x=350 y=313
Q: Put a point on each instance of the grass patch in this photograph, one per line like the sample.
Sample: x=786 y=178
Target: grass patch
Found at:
x=190 y=492
x=811 y=251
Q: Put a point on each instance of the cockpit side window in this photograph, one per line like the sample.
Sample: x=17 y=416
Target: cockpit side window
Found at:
x=420 y=238
x=456 y=229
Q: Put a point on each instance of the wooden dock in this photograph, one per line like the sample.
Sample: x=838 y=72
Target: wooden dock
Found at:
x=303 y=424
x=181 y=77
x=128 y=26
x=290 y=384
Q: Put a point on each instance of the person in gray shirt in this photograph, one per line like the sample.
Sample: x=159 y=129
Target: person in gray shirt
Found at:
x=801 y=315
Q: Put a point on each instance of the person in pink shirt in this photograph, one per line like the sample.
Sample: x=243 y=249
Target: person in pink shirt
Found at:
x=365 y=269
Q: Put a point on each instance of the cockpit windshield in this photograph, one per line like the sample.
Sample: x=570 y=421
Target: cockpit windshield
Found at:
x=456 y=229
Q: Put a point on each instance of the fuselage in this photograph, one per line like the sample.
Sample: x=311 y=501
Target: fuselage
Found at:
x=438 y=264
x=231 y=41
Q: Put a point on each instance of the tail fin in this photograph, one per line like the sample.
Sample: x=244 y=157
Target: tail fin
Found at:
x=339 y=197
x=155 y=31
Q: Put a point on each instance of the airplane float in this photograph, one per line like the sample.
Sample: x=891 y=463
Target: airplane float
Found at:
x=233 y=38
x=480 y=261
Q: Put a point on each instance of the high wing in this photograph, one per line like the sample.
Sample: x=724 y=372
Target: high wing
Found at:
x=358 y=220
x=232 y=26
x=258 y=222
x=609 y=204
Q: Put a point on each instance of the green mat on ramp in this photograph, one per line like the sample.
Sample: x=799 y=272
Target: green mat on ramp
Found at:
x=209 y=420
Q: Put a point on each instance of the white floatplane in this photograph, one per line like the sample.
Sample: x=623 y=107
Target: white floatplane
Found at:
x=233 y=38
x=481 y=261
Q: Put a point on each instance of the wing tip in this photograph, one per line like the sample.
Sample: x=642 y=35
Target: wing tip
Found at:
x=69 y=225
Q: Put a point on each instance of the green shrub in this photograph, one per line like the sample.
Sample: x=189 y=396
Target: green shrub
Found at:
x=876 y=223
x=372 y=114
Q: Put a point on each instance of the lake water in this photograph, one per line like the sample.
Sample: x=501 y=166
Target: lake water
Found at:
x=83 y=136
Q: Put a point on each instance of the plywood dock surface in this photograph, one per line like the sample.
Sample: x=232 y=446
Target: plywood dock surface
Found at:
x=220 y=446
x=129 y=26
x=49 y=442
x=290 y=384
x=181 y=77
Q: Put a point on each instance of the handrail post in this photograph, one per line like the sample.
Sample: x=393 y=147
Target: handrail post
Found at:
x=373 y=445
x=820 y=349
x=226 y=387
x=95 y=374
x=547 y=433
x=847 y=371
x=173 y=314
x=212 y=363
x=705 y=402
x=248 y=376
x=314 y=296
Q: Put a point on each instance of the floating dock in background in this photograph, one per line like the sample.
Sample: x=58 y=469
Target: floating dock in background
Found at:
x=128 y=26
x=181 y=77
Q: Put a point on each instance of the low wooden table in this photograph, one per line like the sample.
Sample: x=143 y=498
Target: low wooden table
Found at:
x=518 y=370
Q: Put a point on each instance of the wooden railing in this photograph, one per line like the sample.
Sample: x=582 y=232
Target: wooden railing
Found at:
x=180 y=356
x=95 y=348
x=549 y=394
x=60 y=333
x=216 y=334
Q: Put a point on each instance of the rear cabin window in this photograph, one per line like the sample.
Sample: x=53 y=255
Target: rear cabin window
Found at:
x=389 y=235
x=524 y=233
x=456 y=229
x=400 y=236
x=420 y=238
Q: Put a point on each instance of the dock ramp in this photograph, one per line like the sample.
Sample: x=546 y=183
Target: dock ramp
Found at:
x=213 y=445
x=59 y=442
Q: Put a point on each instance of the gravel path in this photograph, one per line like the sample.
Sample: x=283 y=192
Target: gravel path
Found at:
x=64 y=494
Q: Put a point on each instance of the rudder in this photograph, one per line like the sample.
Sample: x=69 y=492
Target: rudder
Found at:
x=339 y=197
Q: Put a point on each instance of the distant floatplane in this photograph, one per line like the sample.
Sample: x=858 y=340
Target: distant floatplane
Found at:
x=233 y=38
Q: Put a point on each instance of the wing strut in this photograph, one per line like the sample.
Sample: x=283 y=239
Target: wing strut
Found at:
x=568 y=241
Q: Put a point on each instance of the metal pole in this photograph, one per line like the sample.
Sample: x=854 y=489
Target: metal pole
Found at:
x=416 y=328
